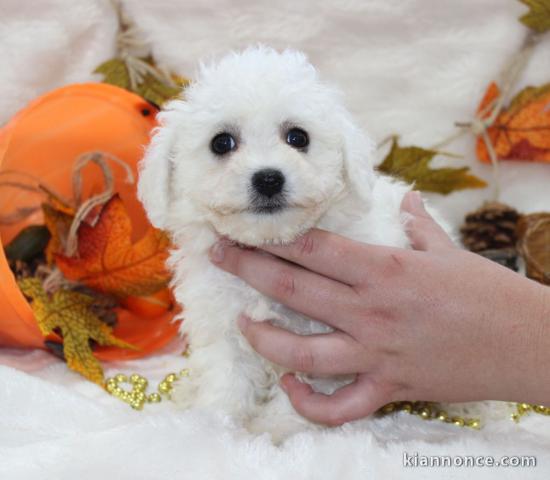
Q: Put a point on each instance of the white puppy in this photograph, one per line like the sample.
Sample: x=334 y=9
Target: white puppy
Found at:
x=260 y=151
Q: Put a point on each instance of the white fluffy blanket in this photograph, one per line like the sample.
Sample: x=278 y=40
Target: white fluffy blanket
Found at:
x=411 y=67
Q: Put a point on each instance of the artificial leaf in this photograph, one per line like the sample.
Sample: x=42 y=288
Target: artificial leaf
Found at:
x=108 y=262
x=538 y=17
x=155 y=91
x=151 y=87
x=521 y=131
x=115 y=72
x=58 y=220
x=411 y=164
x=69 y=312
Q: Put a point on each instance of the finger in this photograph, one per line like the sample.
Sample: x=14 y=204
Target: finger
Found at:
x=325 y=354
x=351 y=402
x=306 y=292
x=423 y=231
x=330 y=255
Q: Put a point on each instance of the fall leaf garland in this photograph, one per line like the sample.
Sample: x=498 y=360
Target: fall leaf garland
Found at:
x=519 y=131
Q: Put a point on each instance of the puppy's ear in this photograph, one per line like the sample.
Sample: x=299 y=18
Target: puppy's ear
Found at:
x=358 y=151
x=154 y=173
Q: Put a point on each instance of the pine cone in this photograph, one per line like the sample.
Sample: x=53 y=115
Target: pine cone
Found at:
x=492 y=227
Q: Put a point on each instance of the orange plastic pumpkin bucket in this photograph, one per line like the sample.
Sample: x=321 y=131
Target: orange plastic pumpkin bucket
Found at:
x=44 y=140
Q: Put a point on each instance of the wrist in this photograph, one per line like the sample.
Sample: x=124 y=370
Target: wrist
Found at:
x=531 y=344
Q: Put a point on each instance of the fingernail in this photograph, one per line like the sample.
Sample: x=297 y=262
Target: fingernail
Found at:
x=242 y=322
x=217 y=252
x=413 y=201
x=416 y=198
x=284 y=382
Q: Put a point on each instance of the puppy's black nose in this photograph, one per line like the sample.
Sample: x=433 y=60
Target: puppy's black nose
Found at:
x=268 y=182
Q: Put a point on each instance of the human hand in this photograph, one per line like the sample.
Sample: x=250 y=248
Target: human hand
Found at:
x=433 y=323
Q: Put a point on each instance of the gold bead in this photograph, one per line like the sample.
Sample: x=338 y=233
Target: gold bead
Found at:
x=121 y=378
x=184 y=373
x=136 y=405
x=426 y=413
x=442 y=415
x=111 y=385
x=406 y=407
x=164 y=387
x=117 y=391
x=125 y=396
x=539 y=408
x=390 y=407
x=139 y=396
x=458 y=421
x=135 y=378
x=473 y=423
x=171 y=378
x=515 y=417
x=140 y=387
x=154 y=398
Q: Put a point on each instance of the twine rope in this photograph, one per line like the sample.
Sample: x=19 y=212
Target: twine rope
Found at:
x=84 y=208
x=132 y=48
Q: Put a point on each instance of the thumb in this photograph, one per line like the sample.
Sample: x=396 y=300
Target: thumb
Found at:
x=423 y=231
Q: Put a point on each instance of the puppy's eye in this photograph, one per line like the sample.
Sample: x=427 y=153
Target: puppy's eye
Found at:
x=223 y=143
x=297 y=138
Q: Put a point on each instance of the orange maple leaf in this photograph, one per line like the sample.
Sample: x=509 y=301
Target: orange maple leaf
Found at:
x=108 y=262
x=521 y=131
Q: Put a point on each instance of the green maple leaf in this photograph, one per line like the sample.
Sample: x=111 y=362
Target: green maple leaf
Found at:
x=412 y=164
x=538 y=17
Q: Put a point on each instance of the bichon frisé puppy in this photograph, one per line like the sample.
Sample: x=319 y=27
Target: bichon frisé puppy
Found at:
x=259 y=151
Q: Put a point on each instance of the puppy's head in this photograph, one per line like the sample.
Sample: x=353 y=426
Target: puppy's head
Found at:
x=259 y=149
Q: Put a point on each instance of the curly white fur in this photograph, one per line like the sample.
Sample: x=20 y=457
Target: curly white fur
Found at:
x=198 y=196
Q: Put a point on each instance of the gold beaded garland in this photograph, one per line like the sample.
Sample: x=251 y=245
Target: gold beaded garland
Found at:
x=524 y=408
x=429 y=411
x=137 y=396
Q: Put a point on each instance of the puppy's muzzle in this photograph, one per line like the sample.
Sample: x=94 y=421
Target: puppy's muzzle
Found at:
x=267 y=186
